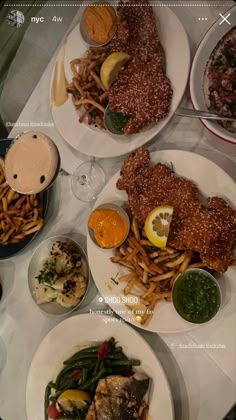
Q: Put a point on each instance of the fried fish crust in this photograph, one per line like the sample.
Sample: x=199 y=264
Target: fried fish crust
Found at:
x=208 y=229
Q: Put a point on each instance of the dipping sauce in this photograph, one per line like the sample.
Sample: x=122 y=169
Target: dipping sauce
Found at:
x=108 y=226
x=59 y=93
x=196 y=296
x=31 y=163
x=100 y=22
x=118 y=120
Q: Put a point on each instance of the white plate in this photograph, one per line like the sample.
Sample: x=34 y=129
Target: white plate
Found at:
x=99 y=143
x=207 y=45
x=211 y=181
x=82 y=329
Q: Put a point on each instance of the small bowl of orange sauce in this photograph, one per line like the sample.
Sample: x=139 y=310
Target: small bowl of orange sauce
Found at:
x=108 y=226
x=98 y=24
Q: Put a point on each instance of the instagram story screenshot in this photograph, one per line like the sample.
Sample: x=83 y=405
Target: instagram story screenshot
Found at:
x=117 y=210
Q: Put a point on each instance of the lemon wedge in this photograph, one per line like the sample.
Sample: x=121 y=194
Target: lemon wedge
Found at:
x=72 y=398
x=111 y=67
x=157 y=225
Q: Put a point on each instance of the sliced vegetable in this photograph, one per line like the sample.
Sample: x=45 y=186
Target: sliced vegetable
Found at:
x=103 y=350
x=74 y=373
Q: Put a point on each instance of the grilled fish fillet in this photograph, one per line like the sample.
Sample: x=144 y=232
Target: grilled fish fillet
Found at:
x=119 y=398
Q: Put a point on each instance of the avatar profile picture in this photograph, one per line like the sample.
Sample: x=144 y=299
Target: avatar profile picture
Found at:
x=15 y=18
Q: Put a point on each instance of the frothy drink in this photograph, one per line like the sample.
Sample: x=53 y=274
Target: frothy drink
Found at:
x=31 y=163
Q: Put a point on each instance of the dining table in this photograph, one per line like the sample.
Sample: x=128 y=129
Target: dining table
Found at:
x=200 y=364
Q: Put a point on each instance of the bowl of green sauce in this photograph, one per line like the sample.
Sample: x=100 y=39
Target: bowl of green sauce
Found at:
x=196 y=296
x=115 y=121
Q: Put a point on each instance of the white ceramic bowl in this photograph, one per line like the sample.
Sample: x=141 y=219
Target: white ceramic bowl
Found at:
x=207 y=45
x=36 y=263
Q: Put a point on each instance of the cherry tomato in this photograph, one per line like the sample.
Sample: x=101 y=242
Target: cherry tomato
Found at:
x=53 y=412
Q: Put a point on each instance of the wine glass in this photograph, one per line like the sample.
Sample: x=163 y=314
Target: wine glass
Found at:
x=87 y=181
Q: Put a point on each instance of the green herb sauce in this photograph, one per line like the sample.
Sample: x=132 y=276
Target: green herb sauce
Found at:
x=196 y=297
x=118 y=120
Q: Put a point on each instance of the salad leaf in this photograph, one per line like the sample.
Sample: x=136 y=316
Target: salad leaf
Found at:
x=47 y=273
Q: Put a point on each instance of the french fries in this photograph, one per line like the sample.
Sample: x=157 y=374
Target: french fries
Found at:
x=20 y=215
x=152 y=271
x=88 y=93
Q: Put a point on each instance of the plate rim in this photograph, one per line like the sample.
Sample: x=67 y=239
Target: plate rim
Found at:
x=100 y=318
x=189 y=326
x=150 y=137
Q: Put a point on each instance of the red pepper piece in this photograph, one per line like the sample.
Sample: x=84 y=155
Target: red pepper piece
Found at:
x=103 y=350
x=74 y=373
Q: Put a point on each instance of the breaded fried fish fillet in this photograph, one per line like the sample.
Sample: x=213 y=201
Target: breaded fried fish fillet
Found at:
x=209 y=230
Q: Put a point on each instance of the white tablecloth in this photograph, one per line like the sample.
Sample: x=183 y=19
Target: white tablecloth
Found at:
x=202 y=379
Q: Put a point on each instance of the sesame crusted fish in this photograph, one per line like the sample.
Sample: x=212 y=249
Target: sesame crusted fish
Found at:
x=209 y=230
x=142 y=91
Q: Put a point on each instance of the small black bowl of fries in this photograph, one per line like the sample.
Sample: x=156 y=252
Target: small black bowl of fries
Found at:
x=21 y=216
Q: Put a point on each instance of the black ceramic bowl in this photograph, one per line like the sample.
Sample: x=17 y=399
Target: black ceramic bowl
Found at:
x=7 y=251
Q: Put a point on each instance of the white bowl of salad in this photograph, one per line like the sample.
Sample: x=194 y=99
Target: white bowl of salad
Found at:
x=213 y=77
x=58 y=275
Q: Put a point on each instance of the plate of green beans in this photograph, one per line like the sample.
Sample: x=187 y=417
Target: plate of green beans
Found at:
x=82 y=355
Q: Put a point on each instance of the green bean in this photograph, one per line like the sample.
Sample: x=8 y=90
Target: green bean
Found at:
x=116 y=356
x=97 y=367
x=69 y=383
x=90 y=382
x=84 y=375
x=80 y=357
x=53 y=399
x=81 y=363
x=112 y=341
x=88 y=351
x=73 y=366
x=48 y=389
x=128 y=362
